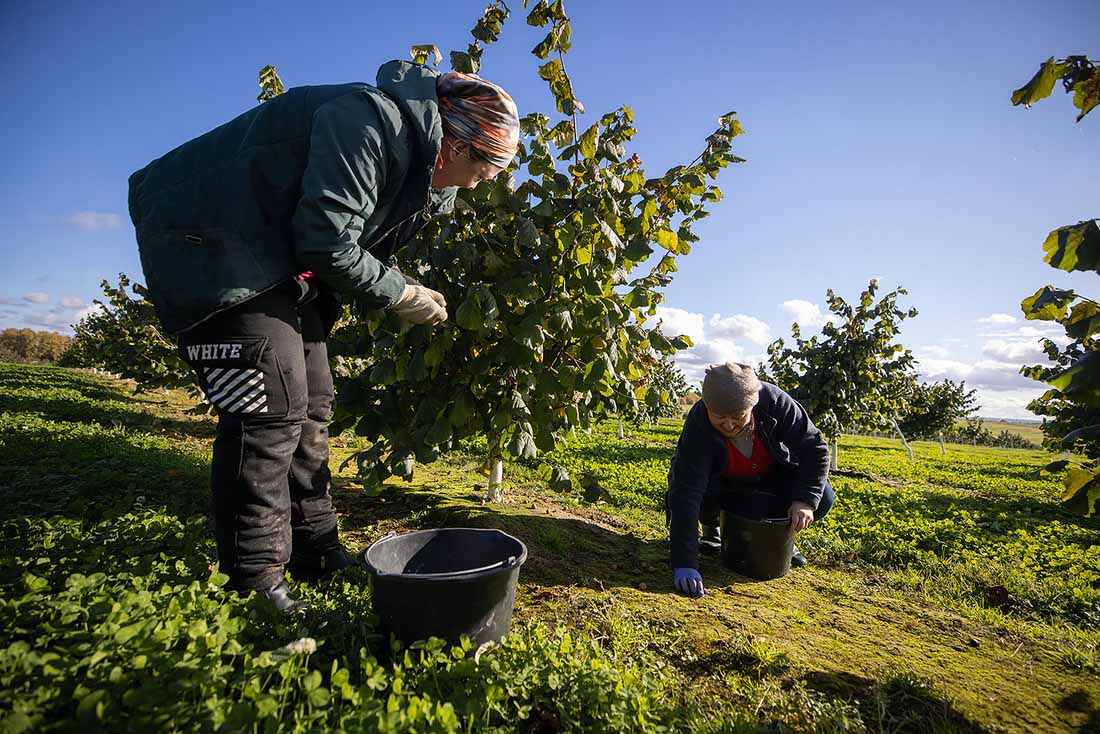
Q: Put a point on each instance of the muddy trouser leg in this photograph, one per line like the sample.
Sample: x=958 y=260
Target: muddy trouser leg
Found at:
x=313 y=518
x=251 y=366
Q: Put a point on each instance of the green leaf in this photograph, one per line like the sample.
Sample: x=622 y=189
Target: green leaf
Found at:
x=1081 y=381
x=463 y=62
x=34 y=584
x=1082 y=491
x=588 y=141
x=1086 y=433
x=559 y=480
x=658 y=341
x=583 y=256
x=1086 y=94
x=1052 y=467
x=421 y=53
x=1074 y=247
x=1040 y=86
x=523 y=445
x=682 y=342
x=462 y=410
x=667 y=239
x=478 y=311
x=1048 y=304
x=440 y=432
x=1083 y=320
x=612 y=236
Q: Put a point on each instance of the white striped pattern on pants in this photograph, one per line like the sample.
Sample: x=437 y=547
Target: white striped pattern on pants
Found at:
x=235 y=390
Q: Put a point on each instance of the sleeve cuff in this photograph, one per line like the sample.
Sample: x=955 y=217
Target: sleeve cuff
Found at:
x=390 y=287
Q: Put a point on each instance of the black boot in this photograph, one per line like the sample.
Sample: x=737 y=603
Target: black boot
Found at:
x=313 y=567
x=710 y=540
x=280 y=596
x=797 y=559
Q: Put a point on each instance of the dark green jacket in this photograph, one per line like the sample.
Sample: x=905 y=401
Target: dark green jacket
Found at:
x=326 y=179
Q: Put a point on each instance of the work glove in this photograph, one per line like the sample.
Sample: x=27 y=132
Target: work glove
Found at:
x=688 y=581
x=421 y=305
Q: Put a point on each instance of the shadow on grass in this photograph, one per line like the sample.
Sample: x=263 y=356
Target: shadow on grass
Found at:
x=117 y=411
x=562 y=551
x=1080 y=701
x=898 y=702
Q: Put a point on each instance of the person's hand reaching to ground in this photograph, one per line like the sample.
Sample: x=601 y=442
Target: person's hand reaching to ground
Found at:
x=688 y=581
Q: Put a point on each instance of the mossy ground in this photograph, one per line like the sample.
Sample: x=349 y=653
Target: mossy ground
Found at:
x=907 y=655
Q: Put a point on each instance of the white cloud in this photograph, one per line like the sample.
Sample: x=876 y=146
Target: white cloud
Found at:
x=1006 y=350
x=985 y=373
x=92 y=221
x=719 y=339
x=86 y=311
x=677 y=322
x=998 y=318
x=72 y=302
x=36 y=297
x=934 y=351
x=9 y=301
x=740 y=326
x=808 y=315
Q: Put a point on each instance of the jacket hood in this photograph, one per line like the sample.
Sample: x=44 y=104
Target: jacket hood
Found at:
x=412 y=87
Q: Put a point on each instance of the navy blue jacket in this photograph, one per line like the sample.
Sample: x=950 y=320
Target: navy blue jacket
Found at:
x=799 y=450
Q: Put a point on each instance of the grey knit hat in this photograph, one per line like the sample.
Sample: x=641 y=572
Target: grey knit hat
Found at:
x=731 y=388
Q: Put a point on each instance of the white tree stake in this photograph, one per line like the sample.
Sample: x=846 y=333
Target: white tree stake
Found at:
x=943 y=449
x=495 y=490
x=620 y=427
x=836 y=453
x=902 y=436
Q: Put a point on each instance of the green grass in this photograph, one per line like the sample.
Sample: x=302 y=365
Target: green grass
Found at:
x=947 y=595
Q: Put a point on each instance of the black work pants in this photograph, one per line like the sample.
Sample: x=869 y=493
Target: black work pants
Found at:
x=756 y=500
x=264 y=366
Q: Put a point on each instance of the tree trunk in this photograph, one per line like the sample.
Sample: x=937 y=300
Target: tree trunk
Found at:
x=943 y=449
x=836 y=452
x=902 y=436
x=495 y=490
x=620 y=427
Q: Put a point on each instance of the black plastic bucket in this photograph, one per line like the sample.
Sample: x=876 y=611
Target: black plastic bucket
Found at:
x=445 y=583
x=760 y=549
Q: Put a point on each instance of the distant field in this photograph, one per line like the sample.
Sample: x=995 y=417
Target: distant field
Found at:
x=1030 y=431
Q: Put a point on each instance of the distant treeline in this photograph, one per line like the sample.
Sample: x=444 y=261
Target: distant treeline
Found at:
x=27 y=345
x=972 y=432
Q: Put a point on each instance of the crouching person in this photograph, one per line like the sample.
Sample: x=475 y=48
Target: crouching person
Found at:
x=748 y=448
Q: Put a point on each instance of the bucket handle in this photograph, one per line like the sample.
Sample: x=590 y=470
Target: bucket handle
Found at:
x=508 y=562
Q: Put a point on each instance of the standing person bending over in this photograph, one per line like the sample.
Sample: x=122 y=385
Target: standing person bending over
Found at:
x=748 y=448
x=250 y=233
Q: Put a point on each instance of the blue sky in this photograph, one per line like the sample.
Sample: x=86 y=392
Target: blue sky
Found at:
x=880 y=138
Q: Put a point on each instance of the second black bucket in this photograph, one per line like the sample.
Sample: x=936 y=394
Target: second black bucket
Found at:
x=445 y=583
x=760 y=549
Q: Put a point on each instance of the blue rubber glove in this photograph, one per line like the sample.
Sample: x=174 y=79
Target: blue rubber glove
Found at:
x=688 y=581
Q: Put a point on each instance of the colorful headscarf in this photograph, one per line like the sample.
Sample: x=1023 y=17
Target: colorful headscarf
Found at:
x=479 y=113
